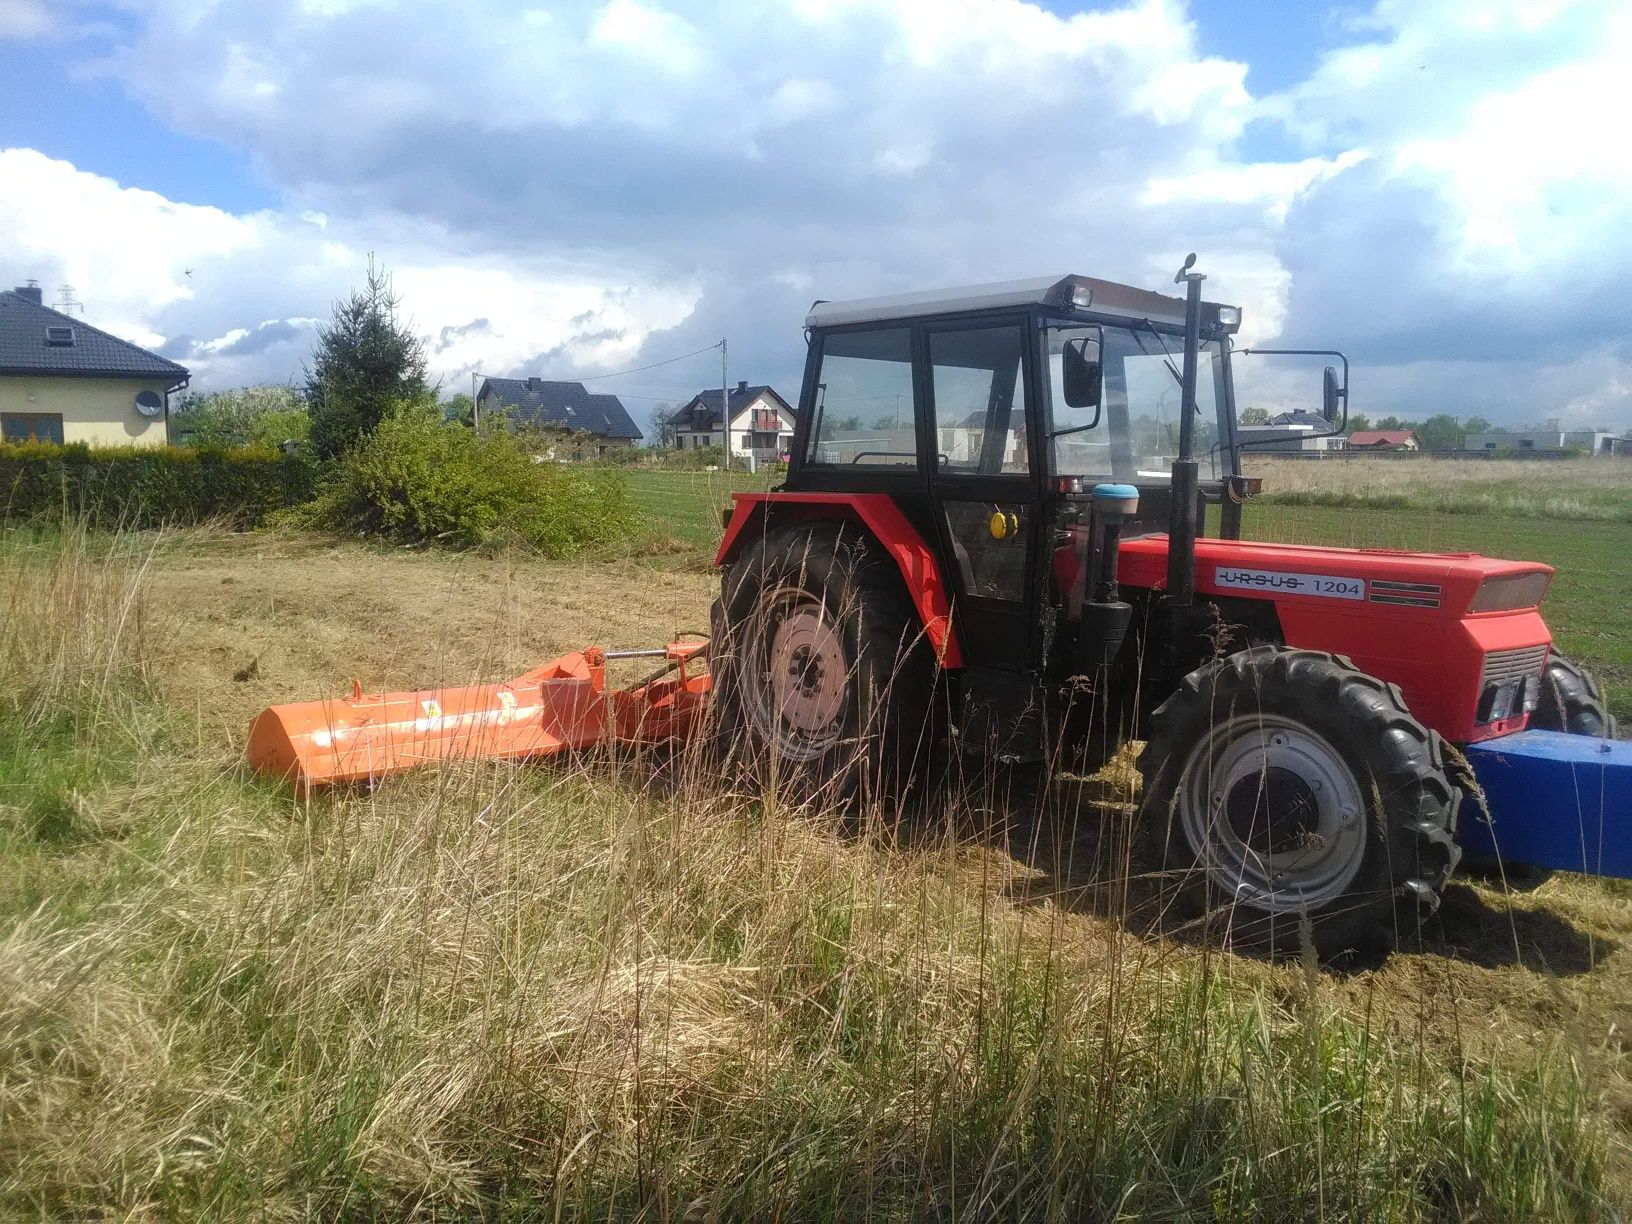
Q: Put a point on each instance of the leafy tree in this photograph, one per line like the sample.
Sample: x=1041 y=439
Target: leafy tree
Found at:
x=266 y=416
x=366 y=361
x=1440 y=432
x=663 y=431
x=1394 y=422
x=1254 y=416
x=849 y=424
x=459 y=408
x=885 y=422
x=1359 y=422
x=1477 y=425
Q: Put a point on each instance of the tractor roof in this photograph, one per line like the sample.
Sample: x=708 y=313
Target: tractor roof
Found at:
x=1106 y=297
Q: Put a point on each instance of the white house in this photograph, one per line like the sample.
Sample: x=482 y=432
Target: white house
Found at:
x=760 y=423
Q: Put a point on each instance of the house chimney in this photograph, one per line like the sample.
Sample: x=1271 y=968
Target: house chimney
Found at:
x=742 y=385
x=31 y=292
x=533 y=384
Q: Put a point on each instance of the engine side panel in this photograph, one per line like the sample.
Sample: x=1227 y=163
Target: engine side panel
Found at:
x=1402 y=617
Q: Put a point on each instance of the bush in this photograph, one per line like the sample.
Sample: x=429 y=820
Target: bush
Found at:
x=265 y=416
x=418 y=478
x=140 y=487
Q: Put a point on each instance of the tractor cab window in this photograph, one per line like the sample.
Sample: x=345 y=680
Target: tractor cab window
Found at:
x=1137 y=436
x=864 y=408
x=979 y=386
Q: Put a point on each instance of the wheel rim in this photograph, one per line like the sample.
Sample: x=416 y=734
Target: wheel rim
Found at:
x=798 y=675
x=1273 y=813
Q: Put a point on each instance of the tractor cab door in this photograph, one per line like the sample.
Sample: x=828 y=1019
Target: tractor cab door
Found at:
x=985 y=491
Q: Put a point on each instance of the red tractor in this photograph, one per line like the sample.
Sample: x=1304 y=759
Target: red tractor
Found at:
x=994 y=533
x=991 y=538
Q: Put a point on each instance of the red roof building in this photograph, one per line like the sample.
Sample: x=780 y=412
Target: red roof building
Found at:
x=1383 y=439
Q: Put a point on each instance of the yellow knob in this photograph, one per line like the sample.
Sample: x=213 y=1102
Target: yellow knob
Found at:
x=999 y=524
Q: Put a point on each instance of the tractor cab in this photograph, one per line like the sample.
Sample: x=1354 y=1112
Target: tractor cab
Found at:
x=989 y=414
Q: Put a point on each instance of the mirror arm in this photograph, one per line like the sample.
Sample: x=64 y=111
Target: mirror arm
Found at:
x=1343 y=394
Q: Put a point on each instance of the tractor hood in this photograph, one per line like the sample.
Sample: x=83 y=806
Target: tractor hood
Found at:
x=1444 y=583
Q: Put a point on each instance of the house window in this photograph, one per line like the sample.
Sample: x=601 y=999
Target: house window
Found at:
x=1527 y=444
x=59 y=336
x=31 y=427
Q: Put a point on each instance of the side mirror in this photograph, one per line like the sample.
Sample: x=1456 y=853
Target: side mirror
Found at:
x=1082 y=371
x=1329 y=396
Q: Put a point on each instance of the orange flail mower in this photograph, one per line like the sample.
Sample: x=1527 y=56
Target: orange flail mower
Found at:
x=561 y=706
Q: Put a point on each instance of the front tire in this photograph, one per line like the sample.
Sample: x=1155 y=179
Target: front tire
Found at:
x=1285 y=787
x=1572 y=702
x=826 y=680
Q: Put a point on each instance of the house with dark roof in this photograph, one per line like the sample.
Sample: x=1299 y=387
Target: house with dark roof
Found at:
x=591 y=424
x=62 y=380
x=758 y=421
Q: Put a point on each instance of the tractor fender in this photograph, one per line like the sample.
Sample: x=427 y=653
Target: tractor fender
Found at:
x=756 y=513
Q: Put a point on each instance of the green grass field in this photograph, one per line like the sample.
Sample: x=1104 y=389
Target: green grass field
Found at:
x=1586 y=608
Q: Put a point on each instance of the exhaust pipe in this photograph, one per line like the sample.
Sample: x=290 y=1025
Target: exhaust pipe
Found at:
x=1181 y=532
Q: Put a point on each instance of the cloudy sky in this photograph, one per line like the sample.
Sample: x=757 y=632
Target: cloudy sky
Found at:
x=1442 y=189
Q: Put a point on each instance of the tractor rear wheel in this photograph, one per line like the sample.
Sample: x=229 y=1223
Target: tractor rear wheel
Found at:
x=1571 y=701
x=826 y=680
x=1285 y=787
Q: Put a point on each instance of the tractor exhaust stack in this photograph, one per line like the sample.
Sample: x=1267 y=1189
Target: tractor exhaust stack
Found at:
x=1181 y=532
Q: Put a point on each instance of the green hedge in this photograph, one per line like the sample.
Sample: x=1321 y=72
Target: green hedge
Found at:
x=140 y=487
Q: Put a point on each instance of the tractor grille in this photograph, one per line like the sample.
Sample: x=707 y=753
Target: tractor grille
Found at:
x=1502 y=666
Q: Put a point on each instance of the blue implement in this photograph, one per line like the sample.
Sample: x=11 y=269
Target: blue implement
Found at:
x=1559 y=801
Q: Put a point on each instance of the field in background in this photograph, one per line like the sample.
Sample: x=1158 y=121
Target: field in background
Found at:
x=1586 y=608
x=1598 y=490
x=563 y=991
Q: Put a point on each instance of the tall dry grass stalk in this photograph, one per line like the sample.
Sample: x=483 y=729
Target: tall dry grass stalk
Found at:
x=620 y=988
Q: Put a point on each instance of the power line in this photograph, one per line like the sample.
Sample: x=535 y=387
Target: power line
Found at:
x=654 y=365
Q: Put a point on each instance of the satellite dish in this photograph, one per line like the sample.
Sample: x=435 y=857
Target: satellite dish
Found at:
x=149 y=403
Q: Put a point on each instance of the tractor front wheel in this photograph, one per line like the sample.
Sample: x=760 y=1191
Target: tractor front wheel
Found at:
x=1571 y=701
x=1285 y=790
x=826 y=680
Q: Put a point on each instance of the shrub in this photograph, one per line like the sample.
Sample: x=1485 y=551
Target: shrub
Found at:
x=245 y=416
x=139 y=487
x=418 y=478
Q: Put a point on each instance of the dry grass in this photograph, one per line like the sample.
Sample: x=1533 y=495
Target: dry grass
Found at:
x=579 y=991
x=1593 y=489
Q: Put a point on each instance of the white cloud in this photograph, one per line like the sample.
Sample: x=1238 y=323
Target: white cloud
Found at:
x=24 y=19
x=599 y=181
x=200 y=283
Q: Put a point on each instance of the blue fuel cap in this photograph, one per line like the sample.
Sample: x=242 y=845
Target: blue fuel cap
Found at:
x=1117 y=492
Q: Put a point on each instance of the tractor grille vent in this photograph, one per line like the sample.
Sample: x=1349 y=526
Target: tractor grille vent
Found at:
x=1502 y=666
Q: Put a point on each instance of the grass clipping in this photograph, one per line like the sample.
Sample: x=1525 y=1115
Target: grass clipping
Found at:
x=558 y=992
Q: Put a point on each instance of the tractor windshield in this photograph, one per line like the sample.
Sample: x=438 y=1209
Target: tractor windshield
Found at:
x=1137 y=437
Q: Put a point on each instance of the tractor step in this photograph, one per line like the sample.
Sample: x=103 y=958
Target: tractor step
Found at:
x=1556 y=801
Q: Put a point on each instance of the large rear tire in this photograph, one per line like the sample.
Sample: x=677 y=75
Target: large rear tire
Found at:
x=1284 y=788
x=825 y=682
x=1572 y=702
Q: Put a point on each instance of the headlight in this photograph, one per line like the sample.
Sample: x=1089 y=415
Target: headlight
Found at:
x=1227 y=318
x=1510 y=592
x=1082 y=296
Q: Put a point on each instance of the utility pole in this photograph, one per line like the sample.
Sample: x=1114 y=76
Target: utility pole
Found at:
x=725 y=406
x=475 y=412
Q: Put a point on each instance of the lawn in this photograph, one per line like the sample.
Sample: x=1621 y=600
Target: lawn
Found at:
x=603 y=989
x=573 y=990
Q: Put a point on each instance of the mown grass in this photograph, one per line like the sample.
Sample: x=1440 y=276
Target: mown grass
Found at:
x=568 y=992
